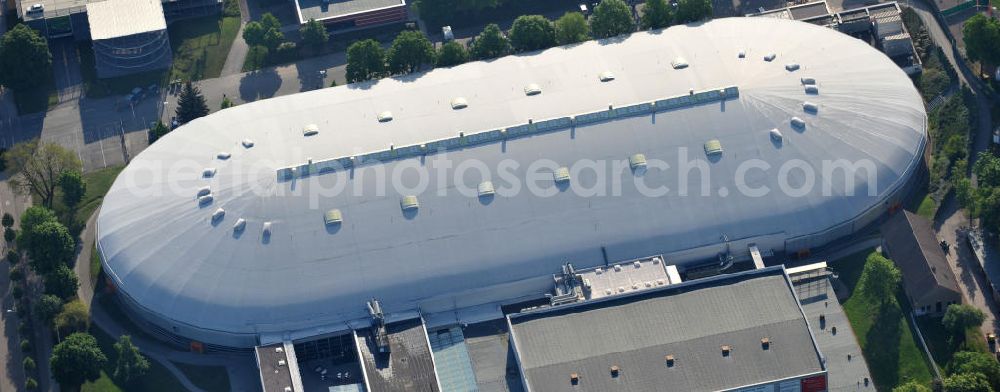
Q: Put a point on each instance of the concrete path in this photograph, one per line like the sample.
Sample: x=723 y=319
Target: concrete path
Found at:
x=951 y=226
x=238 y=51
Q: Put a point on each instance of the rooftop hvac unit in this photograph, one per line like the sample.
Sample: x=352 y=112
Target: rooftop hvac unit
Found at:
x=618 y=268
x=204 y=191
x=532 y=89
x=770 y=57
x=808 y=80
x=637 y=161
x=267 y=229
x=281 y=362
x=207 y=199
x=798 y=123
x=561 y=174
x=742 y=54
x=247 y=143
x=726 y=350
x=223 y=155
x=288 y=389
x=279 y=349
x=310 y=130
x=812 y=89
x=713 y=147
x=765 y=343
x=606 y=76
x=679 y=63
x=459 y=103
x=218 y=214
x=810 y=107
x=385 y=116
x=409 y=202
x=486 y=189
x=208 y=172
x=333 y=217
x=791 y=67
x=776 y=135
x=239 y=225
x=669 y=359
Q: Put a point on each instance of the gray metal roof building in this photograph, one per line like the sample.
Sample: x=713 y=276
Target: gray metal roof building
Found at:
x=673 y=339
x=218 y=232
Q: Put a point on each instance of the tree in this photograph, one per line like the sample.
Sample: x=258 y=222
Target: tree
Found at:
x=48 y=307
x=13 y=257
x=960 y=317
x=9 y=234
x=491 y=43
x=611 y=18
x=30 y=384
x=451 y=54
x=981 y=35
x=62 y=282
x=409 y=51
x=73 y=187
x=25 y=61
x=37 y=167
x=253 y=33
x=657 y=14
x=270 y=22
x=158 y=131
x=976 y=362
x=130 y=363
x=226 y=103
x=532 y=32
x=28 y=364
x=51 y=246
x=77 y=359
x=7 y=220
x=314 y=34
x=273 y=38
x=880 y=278
x=987 y=169
x=191 y=104
x=966 y=382
x=693 y=10
x=365 y=61
x=571 y=28
x=74 y=317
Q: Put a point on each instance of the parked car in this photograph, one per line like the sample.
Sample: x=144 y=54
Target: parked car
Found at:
x=36 y=8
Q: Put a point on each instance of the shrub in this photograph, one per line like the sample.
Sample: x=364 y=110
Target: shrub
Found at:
x=17 y=292
x=7 y=220
x=28 y=364
x=13 y=257
x=31 y=384
x=25 y=345
x=9 y=234
x=16 y=274
x=22 y=328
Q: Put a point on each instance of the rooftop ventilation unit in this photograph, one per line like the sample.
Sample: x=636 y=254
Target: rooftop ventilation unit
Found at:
x=637 y=161
x=561 y=174
x=204 y=191
x=288 y=389
x=486 y=189
x=333 y=217
x=207 y=199
x=669 y=359
x=810 y=107
x=279 y=349
x=218 y=215
x=574 y=378
x=247 y=143
x=223 y=155
x=532 y=89
x=679 y=63
x=808 y=80
x=459 y=103
x=614 y=370
x=409 y=202
x=791 y=67
x=798 y=123
x=726 y=350
x=812 y=89
x=713 y=147
x=385 y=116
x=267 y=229
x=770 y=57
x=310 y=130
x=606 y=76
x=776 y=135
x=765 y=343
x=281 y=362
x=208 y=172
x=742 y=54
x=239 y=225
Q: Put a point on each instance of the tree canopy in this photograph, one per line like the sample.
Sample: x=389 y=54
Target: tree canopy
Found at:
x=37 y=167
x=571 y=28
x=157 y=131
x=693 y=10
x=130 y=364
x=253 y=33
x=25 y=60
x=960 y=317
x=47 y=307
x=76 y=360
x=451 y=54
x=657 y=14
x=409 y=51
x=880 y=278
x=981 y=35
x=912 y=386
x=532 y=32
x=966 y=382
x=31 y=218
x=976 y=362
x=365 y=61
x=73 y=317
x=7 y=220
x=314 y=34
x=611 y=18
x=491 y=43
x=73 y=187
x=51 y=246
x=190 y=104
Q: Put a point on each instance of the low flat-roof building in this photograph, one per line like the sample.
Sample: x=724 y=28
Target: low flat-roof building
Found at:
x=129 y=36
x=348 y=14
x=715 y=334
x=928 y=280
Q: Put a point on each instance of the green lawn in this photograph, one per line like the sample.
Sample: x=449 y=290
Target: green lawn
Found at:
x=942 y=347
x=95 y=265
x=158 y=378
x=209 y=378
x=884 y=332
x=201 y=46
x=927 y=207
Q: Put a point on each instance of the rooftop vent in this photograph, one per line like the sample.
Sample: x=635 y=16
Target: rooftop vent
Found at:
x=333 y=217
x=679 y=63
x=606 y=76
x=288 y=389
x=281 y=362
x=742 y=54
x=614 y=370
x=776 y=135
x=207 y=199
x=223 y=155
x=808 y=80
x=204 y=191
x=791 y=67
x=810 y=107
x=670 y=360
x=459 y=103
x=267 y=229
x=239 y=225
x=770 y=57
x=574 y=378
x=532 y=89
x=409 y=202
x=656 y=260
x=208 y=172
x=247 y=143
x=218 y=214
x=726 y=350
x=385 y=116
x=486 y=189
x=765 y=343
x=637 y=161
x=310 y=130
x=561 y=174
x=798 y=123
x=713 y=147
x=812 y=89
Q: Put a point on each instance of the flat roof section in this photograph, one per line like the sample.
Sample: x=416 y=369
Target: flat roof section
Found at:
x=692 y=322
x=843 y=374
x=492 y=357
x=407 y=367
x=327 y=9
x=272 y=361
x=121 y=18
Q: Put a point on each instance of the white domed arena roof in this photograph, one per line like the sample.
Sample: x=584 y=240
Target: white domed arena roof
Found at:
x=165 y=250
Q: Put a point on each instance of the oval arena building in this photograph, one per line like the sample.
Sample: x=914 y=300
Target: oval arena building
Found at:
x=443 y=191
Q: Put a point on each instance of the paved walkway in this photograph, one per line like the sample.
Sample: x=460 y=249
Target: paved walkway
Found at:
x=238 y=51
